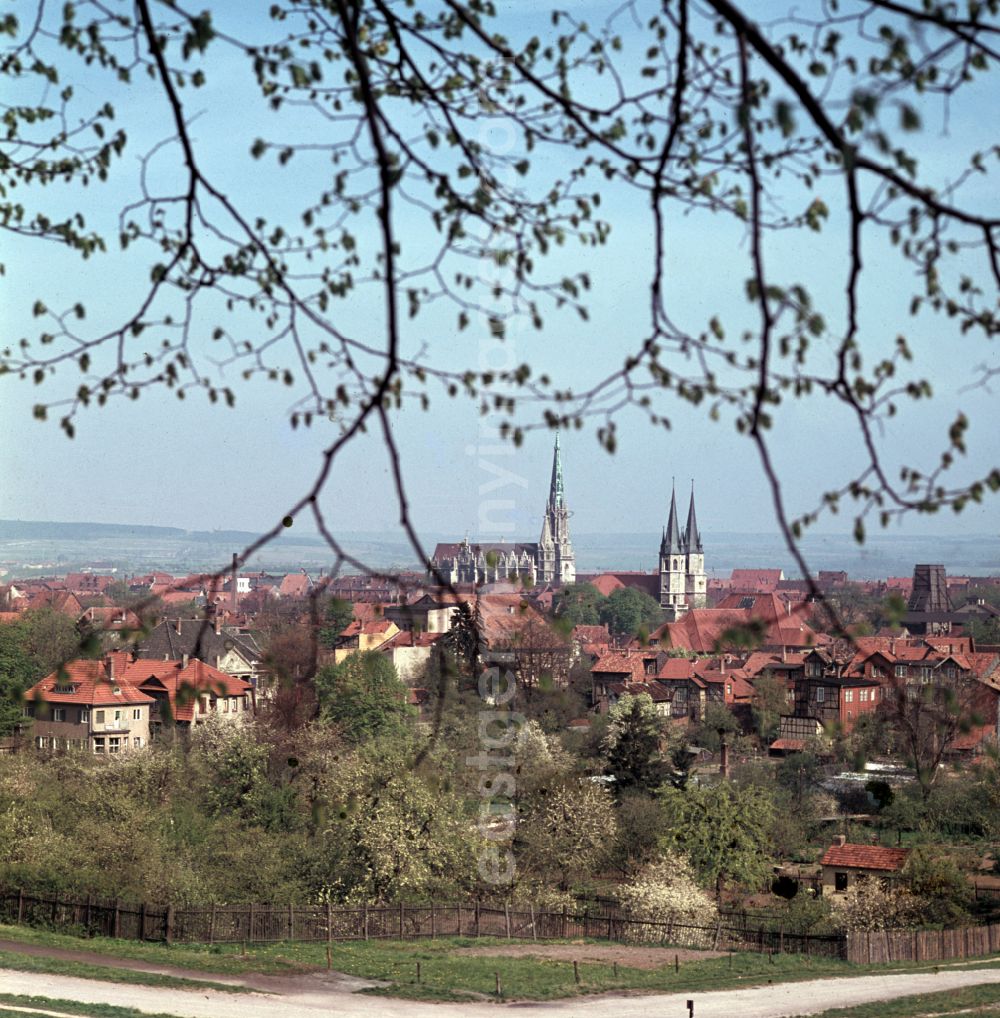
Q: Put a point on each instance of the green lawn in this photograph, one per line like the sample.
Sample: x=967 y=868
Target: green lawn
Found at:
x=87 y=970
x=975 y=1000
x=11 y=1002
x=443 y=974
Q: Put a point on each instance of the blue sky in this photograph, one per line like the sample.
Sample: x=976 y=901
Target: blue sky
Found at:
x=162 y=461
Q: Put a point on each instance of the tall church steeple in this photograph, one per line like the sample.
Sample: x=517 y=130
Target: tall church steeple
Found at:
x=556 y=561
x=672 y=541
x=692 y=537
x=557 y=490
x=695 y=580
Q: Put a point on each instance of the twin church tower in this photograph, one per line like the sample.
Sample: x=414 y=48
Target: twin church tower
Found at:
x=682 y=580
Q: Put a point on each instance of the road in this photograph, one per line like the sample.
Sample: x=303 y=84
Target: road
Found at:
x=315 y=995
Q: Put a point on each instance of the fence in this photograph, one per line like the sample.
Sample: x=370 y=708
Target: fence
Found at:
x=261 y=924
x=922 y=945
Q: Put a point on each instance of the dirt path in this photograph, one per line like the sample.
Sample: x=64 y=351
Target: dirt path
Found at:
x=758 y=1002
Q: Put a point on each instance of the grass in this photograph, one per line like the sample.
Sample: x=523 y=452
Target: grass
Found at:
x=975 y=1000
x=11 y=1002
x=86 y=970
x=445 y=975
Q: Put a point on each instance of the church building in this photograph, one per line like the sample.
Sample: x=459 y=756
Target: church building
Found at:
x=683 y=582
x=551 y=560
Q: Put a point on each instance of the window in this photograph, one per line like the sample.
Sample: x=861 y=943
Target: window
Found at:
x=58 y=713
x=99 y=718
x=849 y=715
x=137 y=742
x=84 y=715
x=225 y=705
x=729 y=689
x=136 y=713
x=864 y=695
x=821 y=694
x=114 y=744
x=848 y=696
x=874 y=695
x=840 y=881
x=118 y=716
x=99 y=742
x=925 y=675
x=951 y=671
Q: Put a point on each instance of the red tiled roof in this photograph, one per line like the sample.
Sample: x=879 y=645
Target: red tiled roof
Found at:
x=789 y=745
x=865 y=857
x=92 y=686
x=294 y=585
x=606 y=584
x=186 y=682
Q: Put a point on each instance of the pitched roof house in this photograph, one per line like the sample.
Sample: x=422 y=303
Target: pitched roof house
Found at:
x=89 y=705
x=846 y=864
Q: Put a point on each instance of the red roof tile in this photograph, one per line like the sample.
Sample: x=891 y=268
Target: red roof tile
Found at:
x=865 y=857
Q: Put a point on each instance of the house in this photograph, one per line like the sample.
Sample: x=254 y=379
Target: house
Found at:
x=427 y=614
x=295 y=585
x=358 y=637
x=410 y=653
x=88 y=705
x=754 y=581
x=187 y=692
x=230 y=650
x=846 y=865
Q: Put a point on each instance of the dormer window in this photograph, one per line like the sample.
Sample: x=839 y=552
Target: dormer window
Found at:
x=117 y=690
x=64 y=687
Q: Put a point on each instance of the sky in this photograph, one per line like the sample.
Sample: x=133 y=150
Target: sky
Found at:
x=162 y=461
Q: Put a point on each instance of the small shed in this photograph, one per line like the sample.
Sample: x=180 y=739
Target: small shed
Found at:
x=845 y=864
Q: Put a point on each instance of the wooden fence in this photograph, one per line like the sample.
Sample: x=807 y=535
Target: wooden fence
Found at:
x=922 y=945
x=262 y=924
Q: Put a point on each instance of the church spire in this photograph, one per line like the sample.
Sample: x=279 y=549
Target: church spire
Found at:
x=692 y=537
x=557 y=494
x=671 y=544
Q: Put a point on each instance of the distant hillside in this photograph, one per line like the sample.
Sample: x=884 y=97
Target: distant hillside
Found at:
x=37 y=530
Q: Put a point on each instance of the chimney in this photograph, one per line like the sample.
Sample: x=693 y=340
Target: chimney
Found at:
x=184 y=661
x=218 y=622
x=839 y=840
x=177 y=626
x=111 y=666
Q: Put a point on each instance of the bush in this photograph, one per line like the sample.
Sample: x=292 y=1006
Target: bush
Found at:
x=666 y=892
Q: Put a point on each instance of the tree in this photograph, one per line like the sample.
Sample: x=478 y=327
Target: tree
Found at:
x=628 y=612
x=541 y=656
x=566 y=831
x=666 y=892
x=800 y=126
x=33 y=646
x=983 y=631
x=722 y=829
x=632 y=743
x=927 y=718
x=337 y=615
x=578 y=604
x=364 y=697
x=464 y=637
x=768 y=704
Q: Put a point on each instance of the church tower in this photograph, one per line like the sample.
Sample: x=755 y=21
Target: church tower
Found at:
x=673 y=564
x=556 y=561
x=696 y=582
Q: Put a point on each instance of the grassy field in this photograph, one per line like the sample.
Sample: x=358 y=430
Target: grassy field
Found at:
x=85 y=970
x=11 y=1003
x=444 y=974
x=977 y=1001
